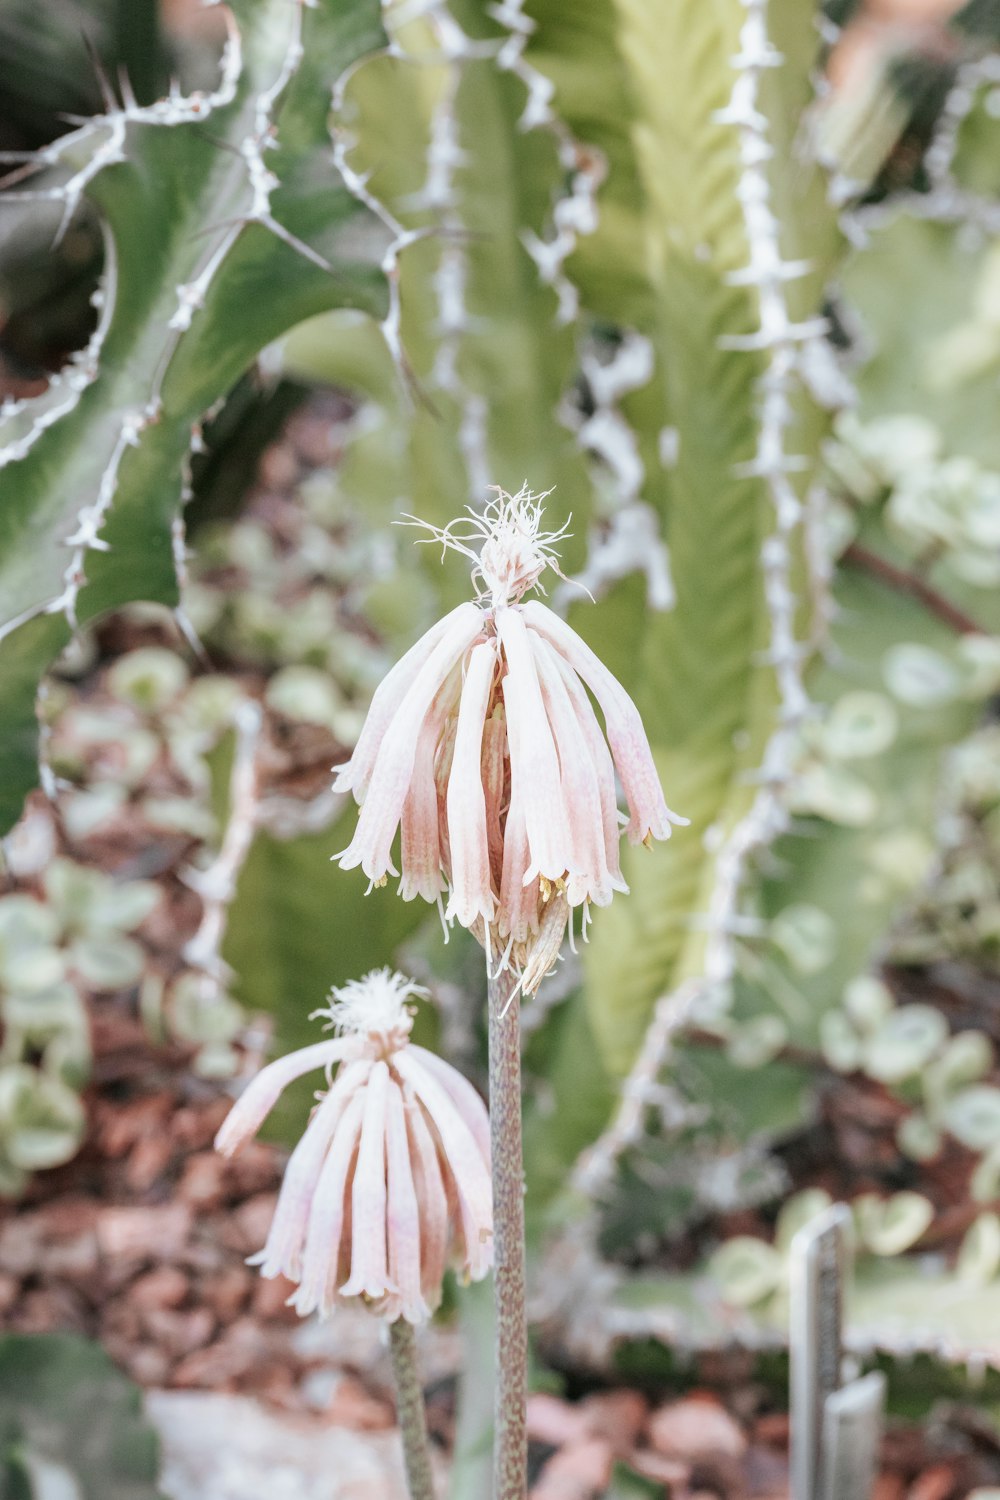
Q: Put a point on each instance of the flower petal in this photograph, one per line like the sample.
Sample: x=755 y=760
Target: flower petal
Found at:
x=626 y=736
x=465 y=1098
x=534 y=764
x=421 y=854
x=369 y=1269
x=318 y=1276
x=403 y=1221
x=357 y=773
x=281 y=1255
x=262 y=1093
x=382 y=808
x=591 y=879
x=471 y=896
x=603 y=766
x=432 y=1200
x=518 y=913
x=462 y=1157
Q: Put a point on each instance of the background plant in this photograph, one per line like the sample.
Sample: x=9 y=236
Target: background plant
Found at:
x=606 y=256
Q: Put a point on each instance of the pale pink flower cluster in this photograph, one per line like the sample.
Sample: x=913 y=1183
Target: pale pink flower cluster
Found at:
x=390 y=1183
x=482 y=745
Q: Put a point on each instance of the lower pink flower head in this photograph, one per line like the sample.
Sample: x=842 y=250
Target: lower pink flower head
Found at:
x=390 y=1184
x=483 y=747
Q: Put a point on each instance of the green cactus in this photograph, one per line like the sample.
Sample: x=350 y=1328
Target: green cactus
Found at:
x=225 y=223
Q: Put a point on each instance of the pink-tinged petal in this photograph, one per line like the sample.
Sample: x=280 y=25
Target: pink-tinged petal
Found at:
x=591 y=879
x=369 y=1269
x=420 y=858
x=357 y=773
x=517 y=915
x=318 y=1277
x=626 y=736
x=281 y=1255
x=544 y=951
x=463 y=1159
x=471 y=896
x=534 y=764
x=465 y=1098
x=432 y=1200
x=262 y=1093
x=382 y=808
x=603 y=766
x=403 y=1222
x=494 y=772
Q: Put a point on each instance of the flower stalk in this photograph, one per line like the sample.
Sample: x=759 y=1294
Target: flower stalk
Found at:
x=410 y=1411
x=510 y=1443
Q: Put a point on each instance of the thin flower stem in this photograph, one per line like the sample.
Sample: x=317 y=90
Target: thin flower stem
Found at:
x=510 y=1451
x=410 y=1409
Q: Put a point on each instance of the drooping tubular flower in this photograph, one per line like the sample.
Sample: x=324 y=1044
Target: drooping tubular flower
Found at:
x=483 y=745
x=390 y=1183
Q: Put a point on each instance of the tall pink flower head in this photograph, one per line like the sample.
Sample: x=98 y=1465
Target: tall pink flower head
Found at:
x=390 y=1183
x=483 y=746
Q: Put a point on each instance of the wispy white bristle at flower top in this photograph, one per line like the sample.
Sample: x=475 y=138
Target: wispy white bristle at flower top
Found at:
x=390 y=1183
x=483 y=746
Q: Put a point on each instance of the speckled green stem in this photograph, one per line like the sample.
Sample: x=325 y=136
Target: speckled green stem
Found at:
x=510 y=1451
x=410 y=1410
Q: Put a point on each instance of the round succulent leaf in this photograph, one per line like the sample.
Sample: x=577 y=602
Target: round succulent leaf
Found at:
x=39 y=1016
x=181 y=815
x=73 y=891
x=979 y=1253
x=890 y=1226
x=26 y=923
x=967 y=1057
x=202 y=1013
x=754 y=1043
x=868 y=1001
x=861 y=724
x=798 y=1211
x=984 y=1184
x=28 y=971
x=121 y=906
x=84 y=812
x=973 y=1116
x=149 y=678
x=108 y=961
x=839 y=1042
x=806 y=936
x=835 y=793
x=304 y=694
x=919 y=676
x=42 y=1119
x=979 y=656
x=208 y=706
x=918 y=1137
x=747 y=1270
x=904 y=1043
x=216 y=1060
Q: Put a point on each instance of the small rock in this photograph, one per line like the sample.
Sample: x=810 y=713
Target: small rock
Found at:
x=935 y=1483
x=241 y=1349
x=578 y=1471
x=10 y=1288
x=619 y=1416
x=270 y=1299
x=154 y=1233
x=245 y=1229
x=119 y=1125
x=889 y=1487
x=180 y=1332
x=164 y=1287
x=227 y=1292
x=352 y=1405
x=147 y=1162
x=696 y=1427
x=201 y=1183
x=772 y=1429
x=554 y=1421
x=661 y=1470
x=148 y=1365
